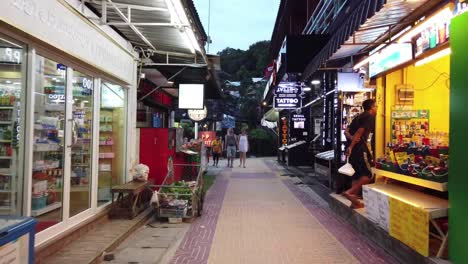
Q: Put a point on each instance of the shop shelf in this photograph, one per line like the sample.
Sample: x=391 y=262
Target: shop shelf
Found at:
x=7 y=191
x=6 y=122
x=5 y=141
x=46 y=209
x=6 y=107
x=5 y=157
x=443 y=187
x=81 y=188
x=5 y=208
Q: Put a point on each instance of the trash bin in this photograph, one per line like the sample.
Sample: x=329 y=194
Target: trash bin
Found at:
x=17 y=239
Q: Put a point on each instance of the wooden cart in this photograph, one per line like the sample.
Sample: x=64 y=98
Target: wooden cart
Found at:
x=193 y=194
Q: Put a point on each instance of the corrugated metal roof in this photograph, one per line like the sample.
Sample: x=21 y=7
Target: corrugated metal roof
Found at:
x=166 y=39
x=367 y=24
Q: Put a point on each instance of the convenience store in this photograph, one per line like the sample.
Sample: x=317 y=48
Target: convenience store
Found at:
x=66 y=114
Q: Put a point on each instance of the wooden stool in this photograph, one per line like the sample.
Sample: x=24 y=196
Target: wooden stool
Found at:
x=130 y=200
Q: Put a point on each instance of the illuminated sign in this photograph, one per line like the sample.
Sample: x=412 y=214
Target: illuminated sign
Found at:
x=207 y=137
x=298 y=121
x=288 y=95
x=298 y=118
x=284 y=131
x=197 y=115
x=390 y=57
x=287 y=103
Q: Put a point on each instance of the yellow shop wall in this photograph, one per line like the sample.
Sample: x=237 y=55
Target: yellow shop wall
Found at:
x=431 y=83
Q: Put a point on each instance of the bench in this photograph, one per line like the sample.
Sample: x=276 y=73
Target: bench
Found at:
x=132 y=198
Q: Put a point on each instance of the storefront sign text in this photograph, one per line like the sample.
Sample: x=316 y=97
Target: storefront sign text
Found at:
x=10 y=55
x=284 y=131
x=298 y=118
x=287 y=103
x=53 y=22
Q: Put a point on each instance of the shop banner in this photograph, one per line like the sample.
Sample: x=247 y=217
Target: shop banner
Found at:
x=410 y=225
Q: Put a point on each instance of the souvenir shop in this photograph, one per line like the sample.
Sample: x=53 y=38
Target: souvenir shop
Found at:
x=418 y=112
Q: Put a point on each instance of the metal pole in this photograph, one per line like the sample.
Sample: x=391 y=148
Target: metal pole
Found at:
x=196 y=130
x=209 y=20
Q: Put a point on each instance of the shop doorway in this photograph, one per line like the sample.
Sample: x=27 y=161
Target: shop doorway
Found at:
x=12 y=93
x=62 y=142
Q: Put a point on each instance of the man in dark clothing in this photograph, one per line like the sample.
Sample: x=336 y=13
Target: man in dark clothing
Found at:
x=359 y=151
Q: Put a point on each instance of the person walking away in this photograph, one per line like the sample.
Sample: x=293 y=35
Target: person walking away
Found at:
x=243 y=147
x=217 y=149
x=359 y=151
x=231 y=146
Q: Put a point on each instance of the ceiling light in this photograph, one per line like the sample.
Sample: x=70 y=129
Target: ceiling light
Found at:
x=435 y=56
x=315 y=82
x=362 y=63
x=8 y=81
x=307 y=89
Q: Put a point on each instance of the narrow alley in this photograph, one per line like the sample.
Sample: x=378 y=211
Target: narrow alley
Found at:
x=255 y=215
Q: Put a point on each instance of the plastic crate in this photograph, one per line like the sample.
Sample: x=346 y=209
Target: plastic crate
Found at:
x=173 y=212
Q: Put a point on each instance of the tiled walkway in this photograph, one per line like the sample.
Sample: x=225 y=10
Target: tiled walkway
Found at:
x=253 y=215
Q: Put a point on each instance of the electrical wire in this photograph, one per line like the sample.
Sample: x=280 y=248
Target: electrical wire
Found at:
x=434 y=82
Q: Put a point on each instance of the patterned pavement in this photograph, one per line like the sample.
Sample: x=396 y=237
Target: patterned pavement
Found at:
x=252 y=215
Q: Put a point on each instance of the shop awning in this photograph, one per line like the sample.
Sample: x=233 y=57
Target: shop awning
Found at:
x=269 y=124
x=168 y=31
x=371 y=23
x=272 y=115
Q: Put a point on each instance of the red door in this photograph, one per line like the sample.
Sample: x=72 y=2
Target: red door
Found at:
x=155 y=150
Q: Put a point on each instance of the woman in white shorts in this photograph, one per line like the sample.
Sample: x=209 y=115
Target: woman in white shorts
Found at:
x=243 y=147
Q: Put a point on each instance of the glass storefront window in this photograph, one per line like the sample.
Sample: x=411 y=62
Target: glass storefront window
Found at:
x=111 y=140
x=49 y=140
x=81 y=156
x=12 y=73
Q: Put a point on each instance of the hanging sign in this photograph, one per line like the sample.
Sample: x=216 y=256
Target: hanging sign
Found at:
x=287 y=103
x=197 y=115
x=288 y=89
x=288 y=95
